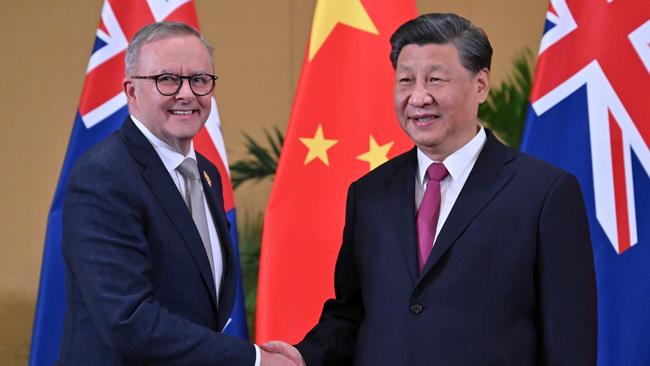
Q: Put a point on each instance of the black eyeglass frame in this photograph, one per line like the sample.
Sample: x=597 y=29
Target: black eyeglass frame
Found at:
x=180 y=85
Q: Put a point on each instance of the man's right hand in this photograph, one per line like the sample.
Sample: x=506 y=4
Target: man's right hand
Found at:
x=281 y=354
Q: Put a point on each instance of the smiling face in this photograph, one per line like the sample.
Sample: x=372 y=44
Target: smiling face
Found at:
x=178 y=118
x=437 y=99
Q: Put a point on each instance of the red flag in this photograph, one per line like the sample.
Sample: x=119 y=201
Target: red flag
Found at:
x=342 y=125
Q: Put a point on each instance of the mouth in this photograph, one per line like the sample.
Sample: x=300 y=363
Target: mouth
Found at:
x=424 y=119
x=183 y=112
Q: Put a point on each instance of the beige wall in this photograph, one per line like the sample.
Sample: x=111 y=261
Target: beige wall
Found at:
x=259 y=49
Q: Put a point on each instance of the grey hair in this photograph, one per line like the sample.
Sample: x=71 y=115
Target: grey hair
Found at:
x=155 y=32
x=471 y=41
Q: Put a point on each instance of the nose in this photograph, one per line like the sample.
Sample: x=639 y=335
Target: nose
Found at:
x=185 y=92
x=420 y=96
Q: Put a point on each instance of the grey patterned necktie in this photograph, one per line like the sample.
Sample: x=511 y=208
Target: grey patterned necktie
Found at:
x=194 y=200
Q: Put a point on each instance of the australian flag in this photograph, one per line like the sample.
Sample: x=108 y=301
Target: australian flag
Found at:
x=591 y=115
x=102 y=109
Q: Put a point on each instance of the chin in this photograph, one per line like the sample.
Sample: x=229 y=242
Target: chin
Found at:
x=186 y=132
x=426 y=139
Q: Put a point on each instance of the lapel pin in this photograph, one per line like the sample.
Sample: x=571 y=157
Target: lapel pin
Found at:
x=207 y=179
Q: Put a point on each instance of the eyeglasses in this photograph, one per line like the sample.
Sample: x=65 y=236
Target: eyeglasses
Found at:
x=169 y=84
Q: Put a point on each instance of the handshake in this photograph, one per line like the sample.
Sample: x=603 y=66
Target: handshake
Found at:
x=278 y=353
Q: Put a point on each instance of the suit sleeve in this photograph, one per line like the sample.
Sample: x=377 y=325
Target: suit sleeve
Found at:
x=565 y=278
x=109 y=260
x=332 y=340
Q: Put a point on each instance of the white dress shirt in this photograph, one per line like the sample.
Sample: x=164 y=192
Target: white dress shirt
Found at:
x=459 y=165
x=172 y=159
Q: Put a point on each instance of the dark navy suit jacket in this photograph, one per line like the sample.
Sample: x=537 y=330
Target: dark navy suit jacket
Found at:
x=139 y=286
x=510 y=279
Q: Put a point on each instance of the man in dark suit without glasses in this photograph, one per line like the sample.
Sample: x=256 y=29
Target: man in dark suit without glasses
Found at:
x=461 y=251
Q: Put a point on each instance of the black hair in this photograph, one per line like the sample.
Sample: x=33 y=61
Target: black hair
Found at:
x=443 y=28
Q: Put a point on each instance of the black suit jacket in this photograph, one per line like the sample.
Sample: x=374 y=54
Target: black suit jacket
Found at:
x=510 y=279
x=139 y=286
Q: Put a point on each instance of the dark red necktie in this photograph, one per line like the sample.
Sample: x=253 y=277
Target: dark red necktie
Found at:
x=429 y=211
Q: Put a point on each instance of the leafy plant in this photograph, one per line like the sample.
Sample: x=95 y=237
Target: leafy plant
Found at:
x=262 y=161
x=505 y=110
x=250 y=237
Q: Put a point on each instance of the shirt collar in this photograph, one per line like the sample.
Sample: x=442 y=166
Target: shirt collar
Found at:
x=170 y=157
x=458 y=161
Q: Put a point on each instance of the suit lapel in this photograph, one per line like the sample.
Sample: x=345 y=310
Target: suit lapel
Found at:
x=400 y=191
x=214 y=195
x=161 y=184
x=488 y=177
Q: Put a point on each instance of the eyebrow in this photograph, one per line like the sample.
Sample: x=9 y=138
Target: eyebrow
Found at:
x=430 y=68
x=167 y=71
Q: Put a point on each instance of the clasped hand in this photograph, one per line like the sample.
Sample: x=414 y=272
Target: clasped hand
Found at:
x=278 y=353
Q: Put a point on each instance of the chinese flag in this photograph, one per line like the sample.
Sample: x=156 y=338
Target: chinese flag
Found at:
x=342 y=126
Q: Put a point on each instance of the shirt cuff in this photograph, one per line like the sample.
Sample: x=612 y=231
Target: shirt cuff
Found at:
x=257 y=355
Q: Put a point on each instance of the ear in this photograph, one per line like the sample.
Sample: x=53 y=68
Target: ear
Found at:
x=482 y=83
x=129 y=89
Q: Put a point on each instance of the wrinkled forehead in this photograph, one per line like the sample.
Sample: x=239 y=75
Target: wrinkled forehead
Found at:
x=432 y=55
x=174 y=54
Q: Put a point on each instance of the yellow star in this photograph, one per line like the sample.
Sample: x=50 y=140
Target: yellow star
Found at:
x=318 y=146
x=376 y=154
x=331 y=12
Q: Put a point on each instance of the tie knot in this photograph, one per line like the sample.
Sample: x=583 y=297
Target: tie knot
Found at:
x=189 y=169
x=436 y=171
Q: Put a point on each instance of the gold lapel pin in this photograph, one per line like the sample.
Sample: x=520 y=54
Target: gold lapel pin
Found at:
x=207 y=178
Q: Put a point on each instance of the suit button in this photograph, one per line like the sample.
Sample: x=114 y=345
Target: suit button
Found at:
x=416 y=308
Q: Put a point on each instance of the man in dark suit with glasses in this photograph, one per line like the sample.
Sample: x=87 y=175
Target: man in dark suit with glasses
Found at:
x=149 y=264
